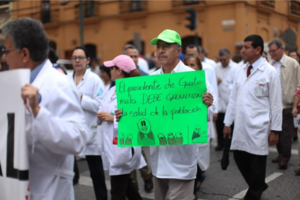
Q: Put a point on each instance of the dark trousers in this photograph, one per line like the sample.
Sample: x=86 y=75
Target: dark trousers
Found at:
x=253 y=169
x=220 y=128
x=97 y=175
x=76 y=172
x=198 y=178
x=285 y=143
x=122 y=187
x=145 y=171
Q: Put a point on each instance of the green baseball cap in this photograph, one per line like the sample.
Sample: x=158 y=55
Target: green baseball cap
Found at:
x=168 y=36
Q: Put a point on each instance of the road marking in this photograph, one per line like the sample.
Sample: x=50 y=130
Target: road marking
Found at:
x=268 y=179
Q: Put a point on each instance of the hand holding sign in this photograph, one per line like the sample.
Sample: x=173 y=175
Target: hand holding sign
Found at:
x=31 y=93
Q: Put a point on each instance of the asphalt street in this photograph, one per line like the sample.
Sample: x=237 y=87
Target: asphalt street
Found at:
x=219 y=184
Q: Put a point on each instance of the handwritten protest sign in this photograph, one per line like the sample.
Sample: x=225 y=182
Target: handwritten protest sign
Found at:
x=14 y=163
x=162 y=109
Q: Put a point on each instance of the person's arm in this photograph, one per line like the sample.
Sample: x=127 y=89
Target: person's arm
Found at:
x=61 y=125
x=93 y=103
x=275 y=98
x=230 y=110
x=296 y=101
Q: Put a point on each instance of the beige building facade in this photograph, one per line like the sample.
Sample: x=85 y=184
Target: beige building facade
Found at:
x=109 y=25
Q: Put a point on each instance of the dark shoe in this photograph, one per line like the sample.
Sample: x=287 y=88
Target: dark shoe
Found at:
x=148 y=185
x=283 y=164
x=219 y=148
x=75 y=182
x=201 y=181
x=297 y=171
x=276 y=160
x=135 y=184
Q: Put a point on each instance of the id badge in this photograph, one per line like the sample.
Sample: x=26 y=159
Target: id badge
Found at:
x=259 y=91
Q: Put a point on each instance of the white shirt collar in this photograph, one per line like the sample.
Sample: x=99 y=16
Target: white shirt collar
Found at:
x=256 y=63
x=176 y=69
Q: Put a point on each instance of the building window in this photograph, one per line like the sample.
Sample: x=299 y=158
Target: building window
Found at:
x=177 y=3
x=2 y=3
x=268 y=3
x=295 y=7
x=133 y=6
x=90 y=9
x=45 y=11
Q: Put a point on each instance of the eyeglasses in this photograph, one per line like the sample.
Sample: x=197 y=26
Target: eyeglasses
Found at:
x=78 y=57
x=134 y=56
x=273 y=51
x=6 y=51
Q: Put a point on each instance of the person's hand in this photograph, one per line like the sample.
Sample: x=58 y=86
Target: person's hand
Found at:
x=295 y=112
x=227 y=131
x=273 y=138
x=105 y=116
x=207 y=99
x=31 y=94
x=215 y=117
x=219 y=80
x=118 y=114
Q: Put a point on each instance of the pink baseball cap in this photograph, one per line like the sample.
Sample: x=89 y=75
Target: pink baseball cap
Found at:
x=124 y=62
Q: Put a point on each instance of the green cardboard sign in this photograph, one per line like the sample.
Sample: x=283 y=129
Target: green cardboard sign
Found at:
x=164 y=109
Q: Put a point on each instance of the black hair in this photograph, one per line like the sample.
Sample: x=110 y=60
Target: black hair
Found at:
x=191 y=46
x=83 y=49
x=52 y=56
x=105 y=69
x=256 y=41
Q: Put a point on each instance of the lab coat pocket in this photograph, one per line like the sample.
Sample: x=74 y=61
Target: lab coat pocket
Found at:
x=182 y=154
x=261 y=89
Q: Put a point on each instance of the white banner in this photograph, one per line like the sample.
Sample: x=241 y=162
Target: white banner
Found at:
x=14 y=164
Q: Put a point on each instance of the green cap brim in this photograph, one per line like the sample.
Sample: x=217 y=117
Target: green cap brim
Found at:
x=167 y=40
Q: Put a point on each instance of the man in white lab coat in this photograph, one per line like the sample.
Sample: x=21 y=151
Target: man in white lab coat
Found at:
x=256 y=109
x=55 y=125
x=225 y=72
x=174 y=167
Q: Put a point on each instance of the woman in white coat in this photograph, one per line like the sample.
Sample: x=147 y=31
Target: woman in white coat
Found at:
x=90 y=89
x=120 y=161
x=194 y=62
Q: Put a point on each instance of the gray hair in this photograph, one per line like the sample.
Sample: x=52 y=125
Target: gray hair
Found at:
x=224 y=52
x=177 y=45
x=278 y=43
x=130 y=47
x=28 y=33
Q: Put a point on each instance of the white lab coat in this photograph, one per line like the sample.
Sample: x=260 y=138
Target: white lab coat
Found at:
x=54 y=136
x=118 y=160
x=212 y=79
x=211 y=62
x=204 y=149
x=227 y=75
x=91 y=87
x=177 y=162
x=255 y=106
